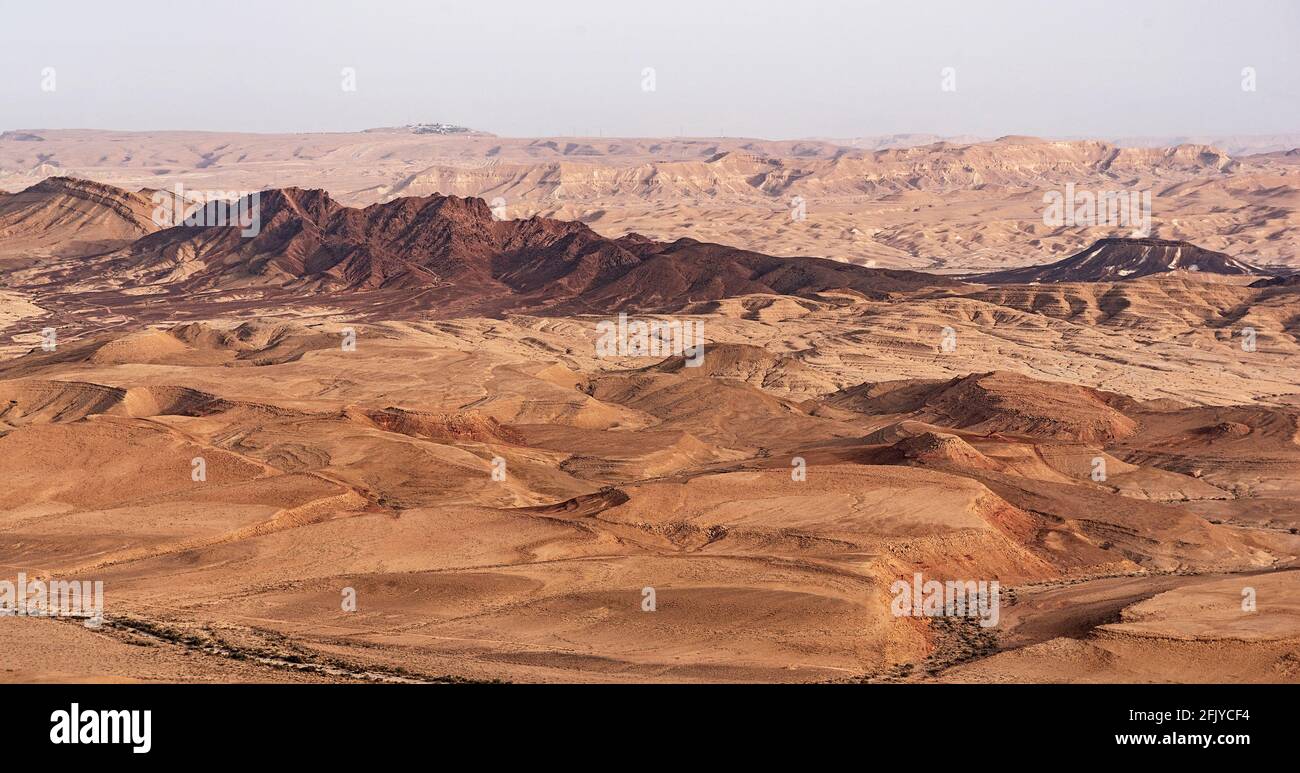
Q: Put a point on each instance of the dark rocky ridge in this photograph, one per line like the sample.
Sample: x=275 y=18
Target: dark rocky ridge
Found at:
x=1109 y=260
x=455 y=249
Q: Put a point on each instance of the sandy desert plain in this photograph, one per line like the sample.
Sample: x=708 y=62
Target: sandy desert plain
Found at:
x=394 y=393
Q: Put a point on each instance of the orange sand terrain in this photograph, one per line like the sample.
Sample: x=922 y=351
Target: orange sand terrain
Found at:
x=411 y=405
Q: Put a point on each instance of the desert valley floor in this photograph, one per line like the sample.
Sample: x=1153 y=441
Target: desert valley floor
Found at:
x=404 y=401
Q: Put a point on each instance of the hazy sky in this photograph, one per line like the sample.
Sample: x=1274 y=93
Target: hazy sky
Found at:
x=764 y=68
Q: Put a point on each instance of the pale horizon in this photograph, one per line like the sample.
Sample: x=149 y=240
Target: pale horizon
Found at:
x=775 y=71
